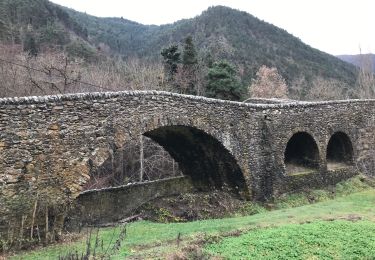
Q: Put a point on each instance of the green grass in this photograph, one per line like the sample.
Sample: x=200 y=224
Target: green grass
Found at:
x=143 y=237
x=318 y=240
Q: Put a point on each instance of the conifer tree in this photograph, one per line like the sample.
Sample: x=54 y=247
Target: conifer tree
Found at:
x=30 y=45
x=189 y=67
x=223 y=82
x=189 y=56
x=171 y=59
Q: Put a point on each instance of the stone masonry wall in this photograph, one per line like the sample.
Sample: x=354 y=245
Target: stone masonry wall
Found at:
x=49 y=145
x=112 y=204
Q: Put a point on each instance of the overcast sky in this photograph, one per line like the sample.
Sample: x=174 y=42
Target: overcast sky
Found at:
x=333 y=26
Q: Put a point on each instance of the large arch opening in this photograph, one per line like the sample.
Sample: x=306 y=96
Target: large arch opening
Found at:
x=301 y=154
x=201 y=156
x=205 y=163
x=339 y=151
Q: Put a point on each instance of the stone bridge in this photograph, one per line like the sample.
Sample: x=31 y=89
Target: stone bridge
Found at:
x=49 y=145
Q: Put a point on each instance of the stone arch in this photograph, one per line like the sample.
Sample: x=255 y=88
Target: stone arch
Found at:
x=202 y=157
x=301 y=153
x=339 y=151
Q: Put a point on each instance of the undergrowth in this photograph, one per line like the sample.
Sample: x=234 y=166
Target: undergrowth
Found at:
x=220 y=204
x=309 y=196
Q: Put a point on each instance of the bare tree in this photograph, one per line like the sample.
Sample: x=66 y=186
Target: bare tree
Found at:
x=268 y=84
x=142 y=160
x=11 y=75
x=132 y=74
x=325 y=89
x=366 y=80
x=53 y=72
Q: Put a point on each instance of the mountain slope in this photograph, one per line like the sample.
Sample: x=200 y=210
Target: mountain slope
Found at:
x=360 y=60
x=48 y=21
x=218 y=33
x=224 y=33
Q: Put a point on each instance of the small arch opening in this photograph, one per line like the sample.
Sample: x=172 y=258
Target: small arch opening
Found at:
x=301 y=154
x=339 y=151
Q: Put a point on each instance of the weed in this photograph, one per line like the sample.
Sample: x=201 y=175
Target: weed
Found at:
x=95 y=247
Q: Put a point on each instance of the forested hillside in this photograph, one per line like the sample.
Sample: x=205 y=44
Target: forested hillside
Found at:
x=219 y=33
x=22 y=21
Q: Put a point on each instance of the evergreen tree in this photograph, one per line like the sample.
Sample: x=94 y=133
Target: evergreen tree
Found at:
x=81 y=49
x=29 y=44
x=223 y=82
x=189 y=56
x=189 y=67
x=171 y=59
x=3 y=29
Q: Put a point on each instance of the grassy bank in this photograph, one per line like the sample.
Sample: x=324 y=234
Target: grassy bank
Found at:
x=147 y=239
